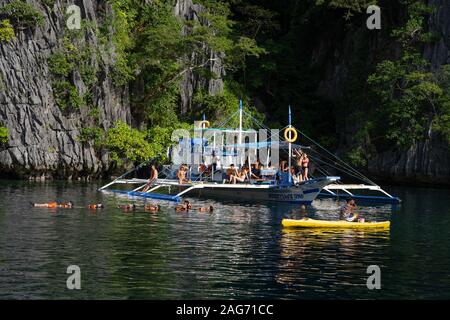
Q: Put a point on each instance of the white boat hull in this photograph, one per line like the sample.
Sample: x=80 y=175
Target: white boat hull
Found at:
x=304 y=193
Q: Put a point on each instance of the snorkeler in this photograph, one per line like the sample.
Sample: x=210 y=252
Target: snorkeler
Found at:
x=152 y=208
x=186 y=206
x=206 y=209
x=54 y=205
x=127 y=207
x=96 y=206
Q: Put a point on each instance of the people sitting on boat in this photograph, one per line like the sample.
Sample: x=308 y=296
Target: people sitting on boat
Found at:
x=305 y=164
x=152 y=208
x=241 y=176
x=256 y=172
x=204 y=169
x=206 y=209
x=231 y=171
x=153 y=178
x=181 y=174
x=127 y=207
x=96 y=206
x=55 y=204
x=284 y=166
x=296 y=178
x=346 y=211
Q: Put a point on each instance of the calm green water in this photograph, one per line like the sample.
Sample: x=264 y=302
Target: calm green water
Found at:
x=240 y=251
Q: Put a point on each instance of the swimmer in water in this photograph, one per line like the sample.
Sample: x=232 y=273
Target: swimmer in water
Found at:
x=54 y=205
x=186 y=206
x=152 y=208
x=206 y=209
x=96 y=206
x=127 y=207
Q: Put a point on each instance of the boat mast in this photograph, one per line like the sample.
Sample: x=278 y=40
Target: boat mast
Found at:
x=203 y=132
x=290 y=147
x=240 y=128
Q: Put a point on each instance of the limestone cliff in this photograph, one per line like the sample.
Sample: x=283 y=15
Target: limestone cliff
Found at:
x=192 y=82
x=43 y=140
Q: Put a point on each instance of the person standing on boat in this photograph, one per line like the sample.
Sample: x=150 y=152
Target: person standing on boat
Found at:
x=305 y=164
x=298 y=155
x=215 y=162
x=153 y=178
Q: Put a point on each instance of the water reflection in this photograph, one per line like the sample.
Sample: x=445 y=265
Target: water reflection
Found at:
x=324 y=261
x=239 y=251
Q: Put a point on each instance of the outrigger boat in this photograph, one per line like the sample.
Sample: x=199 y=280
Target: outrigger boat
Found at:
x=245 y=145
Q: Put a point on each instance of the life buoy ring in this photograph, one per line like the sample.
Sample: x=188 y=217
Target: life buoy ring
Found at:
x=286 y=135
x=205 y=122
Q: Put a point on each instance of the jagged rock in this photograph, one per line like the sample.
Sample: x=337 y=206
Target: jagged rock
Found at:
x=191 y=82
x=43 y=140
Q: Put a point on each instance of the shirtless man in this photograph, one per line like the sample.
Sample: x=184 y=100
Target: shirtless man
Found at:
x=153 y=178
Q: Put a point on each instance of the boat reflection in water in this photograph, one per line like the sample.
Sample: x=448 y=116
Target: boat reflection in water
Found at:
x=329 y=263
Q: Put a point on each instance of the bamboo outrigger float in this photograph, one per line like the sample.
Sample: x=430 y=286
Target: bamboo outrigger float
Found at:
x=274 y=184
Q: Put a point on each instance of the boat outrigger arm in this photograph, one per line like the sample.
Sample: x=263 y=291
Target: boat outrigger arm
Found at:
x=332 y=191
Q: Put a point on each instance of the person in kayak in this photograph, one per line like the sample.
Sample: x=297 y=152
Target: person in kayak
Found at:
x=153 y=178
x=54 y=205
x=346 y=211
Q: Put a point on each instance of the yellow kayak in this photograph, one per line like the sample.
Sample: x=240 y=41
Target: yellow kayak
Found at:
x=311 y=223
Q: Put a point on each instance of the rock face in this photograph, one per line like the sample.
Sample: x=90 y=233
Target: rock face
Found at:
x=43 y=140
x=426 y=162
x=191 y=82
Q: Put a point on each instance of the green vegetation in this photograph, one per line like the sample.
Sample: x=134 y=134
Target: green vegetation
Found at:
x=95 y=135
x=3 y=135
x=167 y=47
x=276 y=53
x=74 y=56
x=6 y=31
x=22 y=15
x=49 y=3
x=413 y=98
x=128 y=144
